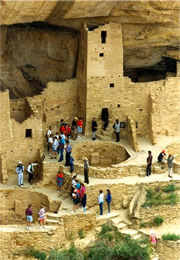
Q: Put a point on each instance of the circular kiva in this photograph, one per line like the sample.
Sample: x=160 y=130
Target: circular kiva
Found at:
x=104 y=159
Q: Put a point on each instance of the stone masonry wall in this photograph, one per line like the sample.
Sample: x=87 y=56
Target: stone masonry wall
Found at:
x=132 y=136
x=168 y=212
x=168 y=249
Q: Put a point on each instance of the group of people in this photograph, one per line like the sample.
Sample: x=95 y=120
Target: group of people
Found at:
x=29 y=217
x=78 y=193
x=20 y=171
x=161 y=159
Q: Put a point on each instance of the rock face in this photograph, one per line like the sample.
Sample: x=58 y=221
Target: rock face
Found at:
x=32 y=55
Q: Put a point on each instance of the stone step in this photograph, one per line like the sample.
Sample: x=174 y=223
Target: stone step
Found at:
x=54 y=216
x=138 y=236
x=52 y=222
x=131 y=232
x=100 y=220
x=103 y=138
x=121 y=225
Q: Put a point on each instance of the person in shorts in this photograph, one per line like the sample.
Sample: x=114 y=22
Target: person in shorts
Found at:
x=29 y=216
x=42 y=217
x=79 y=127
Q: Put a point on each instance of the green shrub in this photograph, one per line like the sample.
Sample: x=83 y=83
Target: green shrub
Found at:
x=158 y=220
x=169 y=188
x=173 y=197
x=81 y=233
x=142 y=224
x=37 y=254
x=171 y=236
x=105 y=228
x=71 y=254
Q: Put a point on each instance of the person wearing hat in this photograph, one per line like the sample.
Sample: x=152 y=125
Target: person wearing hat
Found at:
x=74 y=128
x=19 y=171
x=162 y=157
x=86 y=170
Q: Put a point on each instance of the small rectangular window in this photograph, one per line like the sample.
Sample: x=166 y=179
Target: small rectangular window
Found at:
x=28 y=133
x=111 y=85
x=101 y=54
x=103 y=36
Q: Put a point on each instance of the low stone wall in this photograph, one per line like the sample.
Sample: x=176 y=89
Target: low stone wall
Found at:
x=120 y=192
x=16 y=241
x=168 y=212
x=15 y=202
x=110 y=172
x=168 y=250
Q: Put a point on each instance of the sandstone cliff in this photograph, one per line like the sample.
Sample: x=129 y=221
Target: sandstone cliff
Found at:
x=33 y=53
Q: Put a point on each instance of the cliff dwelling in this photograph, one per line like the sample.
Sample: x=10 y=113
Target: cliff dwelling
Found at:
x=108 y=60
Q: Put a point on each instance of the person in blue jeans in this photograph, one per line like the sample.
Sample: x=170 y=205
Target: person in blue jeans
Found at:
x=71 y=163
x=83 y=202
x=108 y=200
x=101 y=202
x=61 y=149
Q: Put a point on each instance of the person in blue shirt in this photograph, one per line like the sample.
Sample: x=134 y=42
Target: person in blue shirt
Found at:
x=71 y=163
x=108 y=200
x=61 y=148
x=19 y=171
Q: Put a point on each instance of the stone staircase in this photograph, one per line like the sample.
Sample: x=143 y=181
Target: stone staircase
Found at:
x=53 y=218
x=105 y=135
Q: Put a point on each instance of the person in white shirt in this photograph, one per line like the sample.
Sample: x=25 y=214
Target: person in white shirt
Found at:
x=54 y=148
x=30 y=170
x=50 y=143
x=101 y=201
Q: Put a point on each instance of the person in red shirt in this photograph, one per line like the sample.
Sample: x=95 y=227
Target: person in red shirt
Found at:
x=79 y=127
x=68 y=131
x=59 y=179
x=62 y=129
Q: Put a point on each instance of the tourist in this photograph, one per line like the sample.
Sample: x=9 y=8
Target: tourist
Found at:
x=59 y=179
x=149 y=163
x=55 y=148
x=48 y=133
x=83 y=202
x=116 y=127
x=170 y=165
x=30 y=171
x=79 y=127
x=162 y=157
x=74 y=128
x=42 y=217
x=152 y=238
x=50 y=143
x=74 y=183
x=94 y=129
x=82 y=190
x=101 y=202
x=68 y=152
x=61 y=148
x=71 y=163
x=19 y=171
x=61 y=129
x=68 y=132
x=75 y=200
x=108 y=200
x=29 y=216
x=86 y=170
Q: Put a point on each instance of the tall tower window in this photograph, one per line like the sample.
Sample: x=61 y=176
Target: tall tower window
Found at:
x=103 y=36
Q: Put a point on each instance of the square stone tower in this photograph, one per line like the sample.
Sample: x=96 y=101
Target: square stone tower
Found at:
x=100 y=71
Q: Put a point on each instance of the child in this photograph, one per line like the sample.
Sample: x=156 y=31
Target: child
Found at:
x=59 y=179
x=83 y=202
x=152 y=239
x=71 y=163
x=42 y=217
